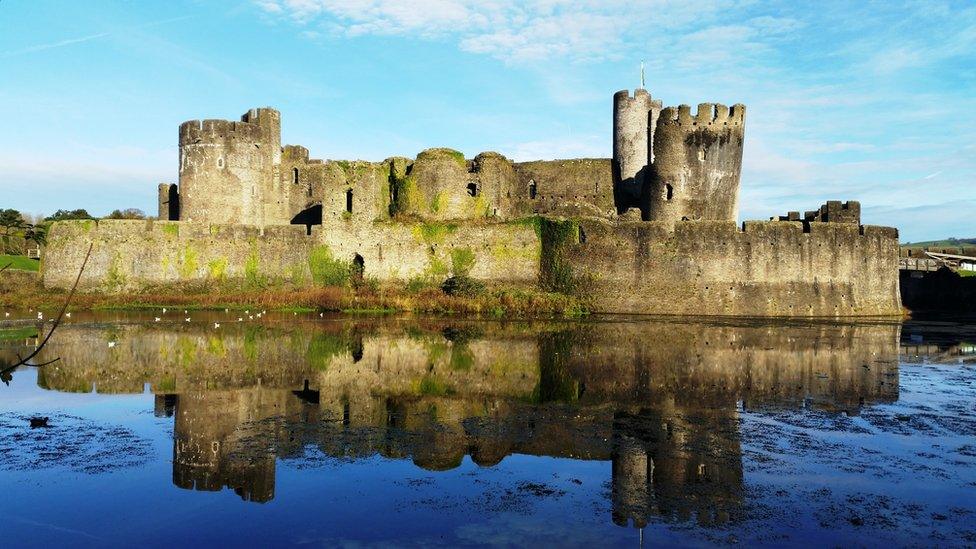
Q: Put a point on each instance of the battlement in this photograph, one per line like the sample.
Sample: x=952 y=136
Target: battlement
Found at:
x=206 y=131
x=708 y=114
x=640 y=94
x=262 y=116
x=296 y=153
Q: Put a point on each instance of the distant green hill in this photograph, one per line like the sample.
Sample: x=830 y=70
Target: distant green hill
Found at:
x=948 y=243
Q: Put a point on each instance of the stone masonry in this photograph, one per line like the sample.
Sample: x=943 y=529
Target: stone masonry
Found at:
x=650 y=230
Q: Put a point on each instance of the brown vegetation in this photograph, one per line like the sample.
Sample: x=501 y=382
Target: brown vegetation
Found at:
x=22 y=290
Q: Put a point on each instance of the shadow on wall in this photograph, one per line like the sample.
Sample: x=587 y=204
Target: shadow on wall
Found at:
x=942 y=291
x=308 y=217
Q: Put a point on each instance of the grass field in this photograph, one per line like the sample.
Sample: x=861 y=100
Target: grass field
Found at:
x=19 y=262
x=966 y=273
x=947 y=243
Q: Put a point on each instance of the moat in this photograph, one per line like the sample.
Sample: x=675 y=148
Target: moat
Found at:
x=279 y=429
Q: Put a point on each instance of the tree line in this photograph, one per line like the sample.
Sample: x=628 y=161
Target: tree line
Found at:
x=19 y=231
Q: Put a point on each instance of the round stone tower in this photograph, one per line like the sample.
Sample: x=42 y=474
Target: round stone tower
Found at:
x=697 y=164
x=228 y=170
x=634 y=120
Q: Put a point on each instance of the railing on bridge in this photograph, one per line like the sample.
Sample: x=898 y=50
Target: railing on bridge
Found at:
x=919 y=264
x=934 y=261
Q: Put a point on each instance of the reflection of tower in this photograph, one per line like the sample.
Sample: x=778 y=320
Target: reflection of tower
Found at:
x=631 y=481
x=676 y=463
x=218 y=442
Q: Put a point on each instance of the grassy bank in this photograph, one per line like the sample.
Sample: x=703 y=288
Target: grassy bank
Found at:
x=20 y=290
x=19 y=262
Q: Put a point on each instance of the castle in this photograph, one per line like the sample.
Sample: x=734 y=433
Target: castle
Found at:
x=650 y=230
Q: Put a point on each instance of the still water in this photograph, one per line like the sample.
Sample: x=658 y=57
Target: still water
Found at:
x=292 y=429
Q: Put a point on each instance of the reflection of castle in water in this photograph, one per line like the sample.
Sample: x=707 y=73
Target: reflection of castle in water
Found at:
x=660 y=400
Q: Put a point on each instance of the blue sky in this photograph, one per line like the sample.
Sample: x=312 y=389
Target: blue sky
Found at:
x=874 y=101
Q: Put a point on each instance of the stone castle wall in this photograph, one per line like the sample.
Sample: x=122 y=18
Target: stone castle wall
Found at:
x=711 y=268
x=716 y=268
x=129 y=255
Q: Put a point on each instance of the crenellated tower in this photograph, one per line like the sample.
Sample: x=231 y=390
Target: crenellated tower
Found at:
x=697 y=164
x=634 y=120
x=229 y=169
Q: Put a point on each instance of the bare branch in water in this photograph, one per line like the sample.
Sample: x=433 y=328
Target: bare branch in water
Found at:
x=5 y=267
x=57 y=321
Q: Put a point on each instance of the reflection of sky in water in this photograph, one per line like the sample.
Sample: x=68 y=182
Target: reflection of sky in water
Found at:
x=705 y=432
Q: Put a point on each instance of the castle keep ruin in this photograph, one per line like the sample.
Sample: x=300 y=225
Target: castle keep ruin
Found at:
x=651 y=230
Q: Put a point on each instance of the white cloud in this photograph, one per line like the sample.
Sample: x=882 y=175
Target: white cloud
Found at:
x=511 y=30
x=581 y=146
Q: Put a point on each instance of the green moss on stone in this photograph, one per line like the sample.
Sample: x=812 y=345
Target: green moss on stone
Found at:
x=462 y=260
x=189 y=263
x=217 y=269
x=116 y=275
x=172 y=229
x=432 y=233
x=556 y=271
x=252 y=265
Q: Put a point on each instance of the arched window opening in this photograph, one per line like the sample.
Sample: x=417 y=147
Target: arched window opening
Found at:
x=668 y=191
x=173 y=203
x=582 y=235
x=294 y=176
x=220 y=162
x=472 y=189
x=348 y=200
x=702 y=154
x=358 y=269
x=532 y=189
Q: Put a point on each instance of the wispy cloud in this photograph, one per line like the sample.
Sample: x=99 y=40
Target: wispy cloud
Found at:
x=511 y=30
x=89 y=38
x=52 y=45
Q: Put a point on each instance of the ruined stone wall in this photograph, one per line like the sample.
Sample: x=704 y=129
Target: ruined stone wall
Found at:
x=835 y=211
x=129 y=254
x=697 y=163
x=716 y=268
x=565 y=187
x=502 y=253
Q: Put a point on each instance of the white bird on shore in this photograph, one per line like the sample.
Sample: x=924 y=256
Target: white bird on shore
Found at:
x=158 y=319
x=321 y=315
x=250 y=317
x=185 y=311
x=216 y=325
x=239 y=319
x=6 y=315
x=68 y=315
x=226 y=310
x=164 y=310
x=187 y=319
x=111 y=344
x=40 y=315
x=247 y=312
